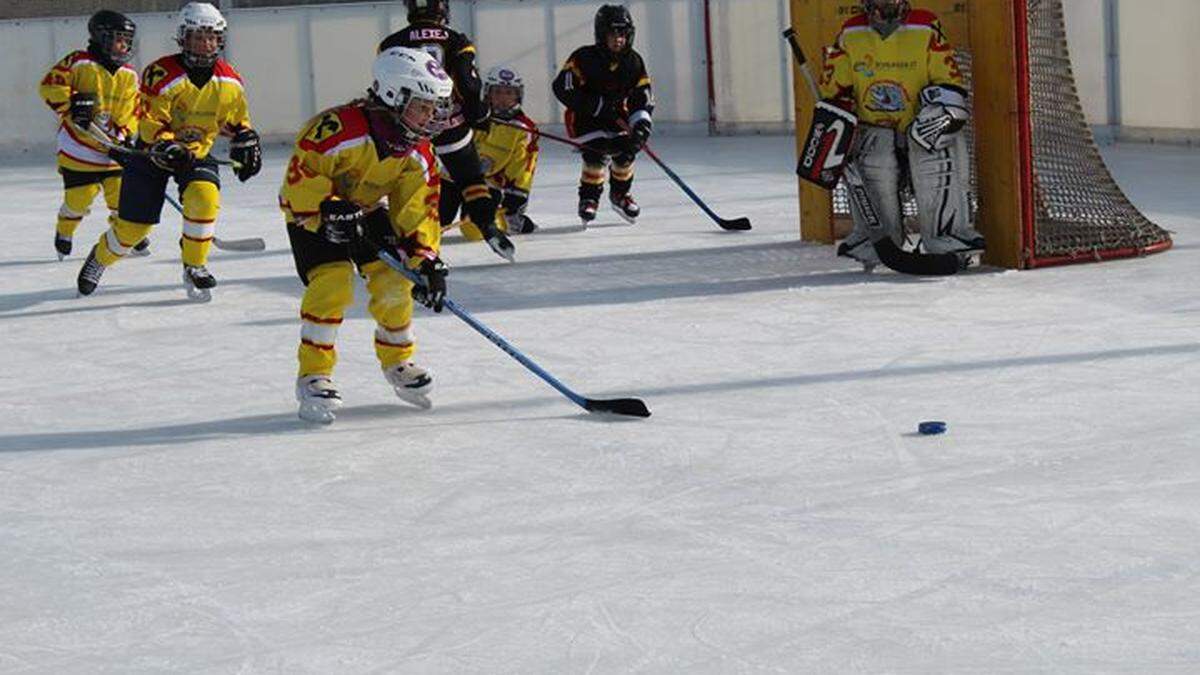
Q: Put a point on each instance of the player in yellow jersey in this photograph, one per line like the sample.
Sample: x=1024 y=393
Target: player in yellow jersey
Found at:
x=92 y=86
x=363 y=177
x=893 y=68
x=187 y=99
x=509 y=157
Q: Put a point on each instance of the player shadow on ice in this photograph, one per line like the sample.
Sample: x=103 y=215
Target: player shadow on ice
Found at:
x=886 y=373
x=12 y=304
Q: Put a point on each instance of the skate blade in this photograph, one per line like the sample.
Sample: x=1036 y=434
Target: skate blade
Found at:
x=421 y=400
x=61 y=256
x=317 y=413
x=198 y=294
x=625 y=217
x=135 y=253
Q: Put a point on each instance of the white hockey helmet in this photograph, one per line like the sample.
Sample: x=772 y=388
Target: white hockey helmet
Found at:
x=504 y=76
x=401 y=74
x=200 y=17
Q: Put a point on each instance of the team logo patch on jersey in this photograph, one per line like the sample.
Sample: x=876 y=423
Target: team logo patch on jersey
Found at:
x=887 y=96
x=327 y=126
x=153 y=76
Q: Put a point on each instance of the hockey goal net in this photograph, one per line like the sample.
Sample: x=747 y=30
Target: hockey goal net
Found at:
x=1042 y=192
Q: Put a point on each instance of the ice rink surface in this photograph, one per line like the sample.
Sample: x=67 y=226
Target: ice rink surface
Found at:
x=163 y=510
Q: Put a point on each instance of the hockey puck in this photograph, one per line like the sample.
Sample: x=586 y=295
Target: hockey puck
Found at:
x=931 y=428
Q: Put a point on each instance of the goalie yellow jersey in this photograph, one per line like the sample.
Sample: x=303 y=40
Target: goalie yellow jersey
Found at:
x=880 y=79
x=116 y=106
x=336 y=158
x=174 y=108
x=509 y=155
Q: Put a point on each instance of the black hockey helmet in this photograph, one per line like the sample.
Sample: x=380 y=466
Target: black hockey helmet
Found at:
x=436 y=11
x=614 y=19
x=104 y=28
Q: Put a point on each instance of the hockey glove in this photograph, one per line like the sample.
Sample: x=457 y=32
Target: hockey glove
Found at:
x=83 y=109
x=246 y=149
x=640 y=131
x=431 y=292
x=171 y=156
x=341 y=221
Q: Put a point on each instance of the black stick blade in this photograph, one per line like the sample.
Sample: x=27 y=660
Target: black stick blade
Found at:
x=734 y=224
x=920 y=264
x=632 y=407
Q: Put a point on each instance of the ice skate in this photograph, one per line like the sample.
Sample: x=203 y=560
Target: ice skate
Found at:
x=318 y=397
x=863 y=252
x=62 y=245
x=587 y=210
x=89 y=274
x=198 y=281
x=625 y=206
x=411 y=382
x=141 y=250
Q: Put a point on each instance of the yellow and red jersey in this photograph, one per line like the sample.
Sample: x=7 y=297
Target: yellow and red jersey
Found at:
x=878 y=78
x=174 y=108
x=116 y=106
x=509 y=155
x=336 y=158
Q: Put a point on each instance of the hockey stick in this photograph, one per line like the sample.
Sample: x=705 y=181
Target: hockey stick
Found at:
x=896 y=258
x=631 y=407
x=247 y=244
x=742 y=223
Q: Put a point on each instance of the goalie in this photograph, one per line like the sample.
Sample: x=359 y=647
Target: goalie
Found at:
x=893 y=71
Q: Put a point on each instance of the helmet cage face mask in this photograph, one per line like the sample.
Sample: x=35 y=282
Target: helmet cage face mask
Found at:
x=885 y=12
x=105 y=29
x=614 y=20
x=501 y=77
x=195 y=59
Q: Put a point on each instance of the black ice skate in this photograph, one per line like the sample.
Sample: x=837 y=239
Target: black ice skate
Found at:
x=141 y=250
x=625 y=207
x=198 y=281
x=587 y=210
x=62 y=245
x=89 y=274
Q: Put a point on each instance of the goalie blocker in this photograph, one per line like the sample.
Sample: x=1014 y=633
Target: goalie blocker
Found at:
x=827 y=145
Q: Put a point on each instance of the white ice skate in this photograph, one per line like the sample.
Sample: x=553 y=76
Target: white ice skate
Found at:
x=411 y=382
x=318 y=397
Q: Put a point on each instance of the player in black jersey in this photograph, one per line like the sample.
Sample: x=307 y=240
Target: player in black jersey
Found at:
x=429 y=31
x=606 y=90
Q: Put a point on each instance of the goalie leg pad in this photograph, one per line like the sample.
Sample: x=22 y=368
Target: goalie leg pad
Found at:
x=943 y=207
x=877 y=174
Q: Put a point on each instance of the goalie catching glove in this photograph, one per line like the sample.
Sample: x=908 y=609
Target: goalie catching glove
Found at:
x=943 y=113
x=827 y=145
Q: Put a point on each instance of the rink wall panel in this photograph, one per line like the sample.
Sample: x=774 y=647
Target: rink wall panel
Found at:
x=298 y=60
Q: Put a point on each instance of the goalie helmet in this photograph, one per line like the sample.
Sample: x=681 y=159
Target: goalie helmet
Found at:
x=105 y=29
x=436 y=11
x=199 y=21
x=401 y=75
x=885 y=15
x=503 y=76
x=614 y=19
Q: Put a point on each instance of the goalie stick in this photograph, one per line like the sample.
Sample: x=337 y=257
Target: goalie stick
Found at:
x=732 y=224
x=247 y=244
x=631 y=407
x=896 y=258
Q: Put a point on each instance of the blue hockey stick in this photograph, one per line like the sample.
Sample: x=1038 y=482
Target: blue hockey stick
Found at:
x=617 y=406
